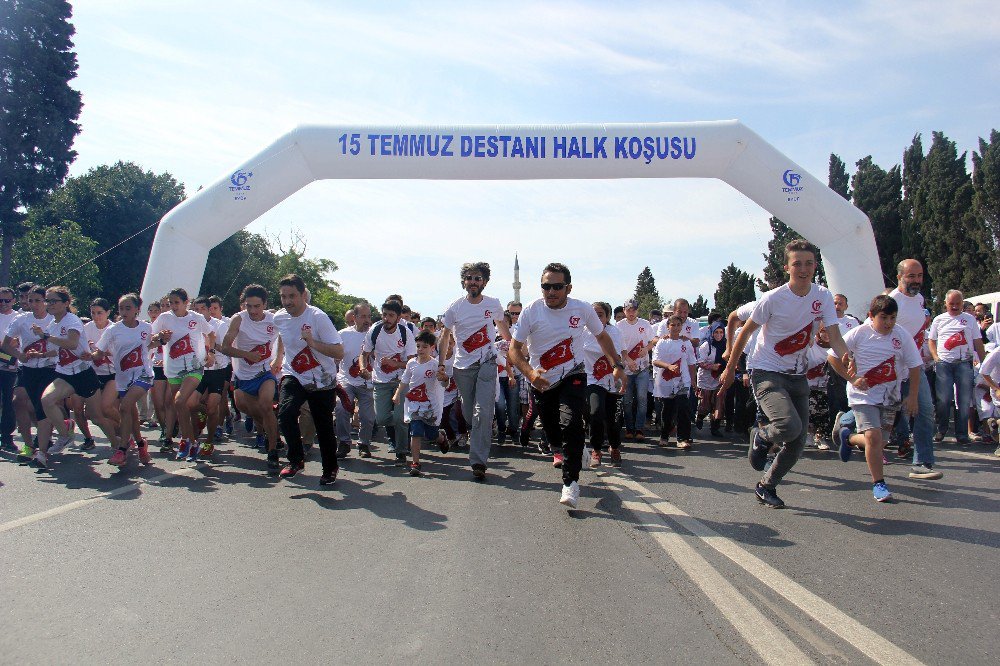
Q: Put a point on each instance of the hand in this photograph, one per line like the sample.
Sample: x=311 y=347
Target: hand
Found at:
x=619 y=375
x=727 y=377
x=33 y=353
x=396 y=399
x=210 y=359
x=37 y=330
x=442 y=376
x=252 y=357
x=746 y=381
x=365 y=372
x=165 y=335
x=631 y=364
x=851 y=365
x=672 y=367
x=307 y=335
x=87 y=356
x=538 y=379
x=725 y=355
x=861 y=383
x=911 y=406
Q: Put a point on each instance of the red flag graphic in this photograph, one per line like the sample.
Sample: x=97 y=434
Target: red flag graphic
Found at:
x=263 y=350
x=182 y=347
x=355 y=369
x=66 y=357
x=385 y=366
x=918 y=339
x=795 y=342
x=816 y=372
x=672 y=374
x=418 y=394
x=955 y=340
x=561 y=353
x=133 y=359
x=304 y=361
x=883 y=373
x=602 y=368
x=476 y=340
x=37 y=345
x=636 y=351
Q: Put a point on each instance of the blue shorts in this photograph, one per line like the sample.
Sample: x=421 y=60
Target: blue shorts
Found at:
x=423 y=429
x=252 y=386
x=144 y=384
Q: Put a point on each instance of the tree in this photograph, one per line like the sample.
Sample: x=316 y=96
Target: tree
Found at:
x=59 y=254
x=699 y=308
x=774 y=260
x=838 y=177
x=986 y=184
x=38 y=110
x=735 y=289
x=879 y=194
x=646 y=294
x=111 y=204
x=911 y=236
x=243 y=258
x=959 y=249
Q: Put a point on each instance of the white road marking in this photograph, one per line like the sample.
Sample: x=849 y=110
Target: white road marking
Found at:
x=981 y=456
x=65 y=508
x=869 y=643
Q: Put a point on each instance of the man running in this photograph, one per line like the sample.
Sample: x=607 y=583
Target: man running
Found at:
x=384 y=353
x=357 y=385
x=637 y=336
x=474 y=320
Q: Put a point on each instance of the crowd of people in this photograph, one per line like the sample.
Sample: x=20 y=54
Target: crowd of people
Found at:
x=788 y=369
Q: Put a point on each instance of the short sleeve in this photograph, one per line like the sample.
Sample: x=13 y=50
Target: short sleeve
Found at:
x=407 y=372
x=829 y=310
x=524 y=323
x=932 y=334
x=911 y=355
x=592 y=321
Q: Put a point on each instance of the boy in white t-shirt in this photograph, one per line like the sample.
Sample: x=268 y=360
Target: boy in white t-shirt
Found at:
x=424 y=397
x=883 y=353
x=674 y=360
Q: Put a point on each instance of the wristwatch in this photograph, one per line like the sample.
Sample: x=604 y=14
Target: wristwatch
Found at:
x=619 y=365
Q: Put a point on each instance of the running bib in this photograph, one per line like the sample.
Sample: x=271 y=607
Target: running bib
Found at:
x=883 y=373
x=603 y=368
x=561 y=353
x=418 y=394
x=182 y=347
x=795 y=342
x=304 y=361
x=955 y=340
x=476 y=341
x=132 y=360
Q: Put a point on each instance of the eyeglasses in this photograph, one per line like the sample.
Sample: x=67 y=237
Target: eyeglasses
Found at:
x=512 y=313
x=474 y=278
x=558 y=286
x=6 y=300
x=50 y=301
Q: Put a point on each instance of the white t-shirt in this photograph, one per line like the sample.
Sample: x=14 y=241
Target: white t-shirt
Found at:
x=599 y=369
x=20 y=328
x=501 y=347
x=259 y=336
x=846 y=323
x=474 y=328
x=451 y=390
x=129 y=351
x=912 y=315
x=991 y=366
x=388 y=346
x=708 y=379
x=93 y=334
x=221 y=327
x=555 y=336
x=787 y=325
x=184 y=351
x=884 y=360
x=954 y=336
x=816 y=372
x=349 y=371
x=424 y=393
x=5 y=320
x=689 y=329
x=308 y=367
x=70 y=360
x=635 y=337
x=744 y=312
x=667 y=383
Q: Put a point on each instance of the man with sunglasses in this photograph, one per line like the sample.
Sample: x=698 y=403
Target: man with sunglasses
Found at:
x=474 y=319
x=551 y=331
x=515 y=381
x=8 y=372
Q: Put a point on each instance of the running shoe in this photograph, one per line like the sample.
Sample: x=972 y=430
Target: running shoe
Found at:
x=261 y=442
x=8 y=442
x=400 y=460
x=207 y=450
x=365 y=451
x=768 y=497
x=329 y=478
x=595 y=459
x=964 y=441
x=925 y=472
x=881 y=492
x=195 y=449
x=88 y=444
x=905 y=449
x=291 y=469
x=699 y=423
x=663 y=442
x=26 y=452
x=248 y=424
x=997 y=452
x=118 y=458
x=343 y=449
x=835 y=430
x=273 y=462
x=639 y=436
x=218 y=433
x=844 y=441
x=758 y=450
x=570 y=495
x=442 y=443
x=629 y=435
x=166 y=447
x=543 y=448
x=463 y=441
x=414 y=469
x=885 y=461
x=479 y=472
x=144 y=456
x=70 y=427
x=182 y=449
x=938 y=437
x=557 y=460
x=616 y=458
x=229 y=426
x=39 y=460
x=60 y=444
x=684 y=445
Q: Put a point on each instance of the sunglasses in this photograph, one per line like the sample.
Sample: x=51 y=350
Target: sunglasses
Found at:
x=549 y=286
x=473 y=278
x=512 y=313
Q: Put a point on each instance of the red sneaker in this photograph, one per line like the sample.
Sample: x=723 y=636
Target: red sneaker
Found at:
x=616 y=458
x=557 y=460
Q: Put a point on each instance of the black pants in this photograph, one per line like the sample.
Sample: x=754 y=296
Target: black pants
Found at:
x=604 y=417
x=836 y=392
x=291 y=397
x=676 y=410
x=7 y=420
x=561 y=409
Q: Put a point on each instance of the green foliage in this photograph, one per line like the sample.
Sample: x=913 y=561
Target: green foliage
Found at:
x=879 y=194
x=912 y=237
x=243 y=258
x=38 y=109
x=986 y=183
x=48 y=255
x=774 y=260
x=735 y=289
x=111 y=203
x=699 y=307
x=838 y=177
x=646 y=293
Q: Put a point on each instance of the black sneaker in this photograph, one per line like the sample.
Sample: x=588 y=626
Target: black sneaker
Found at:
x=543 y=448
x=400 y=460
x=328 y=478
x=343 y=449
x=768 y=497
x=479 y=472
x=364 y=451
x=415 y=469
x=758 y=450
x=273 y=462
x=443 y=446
x=88 y=444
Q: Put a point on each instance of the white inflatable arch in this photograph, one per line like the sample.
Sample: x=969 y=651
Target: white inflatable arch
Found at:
x=726 y=150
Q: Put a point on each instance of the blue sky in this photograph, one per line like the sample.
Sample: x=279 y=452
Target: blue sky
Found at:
x=195 y=88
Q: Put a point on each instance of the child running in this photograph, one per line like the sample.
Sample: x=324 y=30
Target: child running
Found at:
x=424 y=395
x=675 y=361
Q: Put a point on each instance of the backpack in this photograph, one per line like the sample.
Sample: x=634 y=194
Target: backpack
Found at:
x=401 y=326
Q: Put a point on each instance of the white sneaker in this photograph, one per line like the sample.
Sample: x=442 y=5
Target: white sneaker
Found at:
x=570 y=495
x=60 y=444
x=39 y=459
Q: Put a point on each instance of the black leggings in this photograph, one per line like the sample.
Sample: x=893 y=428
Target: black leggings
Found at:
x=604 y=417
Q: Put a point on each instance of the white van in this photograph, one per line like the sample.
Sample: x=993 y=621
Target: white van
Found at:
x=992 y=300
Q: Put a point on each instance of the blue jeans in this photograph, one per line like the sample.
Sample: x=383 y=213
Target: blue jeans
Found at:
x=957 y=374
x=636 y=389
x=923 y=423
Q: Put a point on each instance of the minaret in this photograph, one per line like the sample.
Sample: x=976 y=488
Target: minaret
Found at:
x=517 y=280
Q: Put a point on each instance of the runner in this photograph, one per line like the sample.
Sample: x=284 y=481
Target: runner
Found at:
x=8 y=372
x=637 y=336
x=211 y=390
x=786 y=317
x=312 y=348
x=423 y=393
x=675 y=360
x=100 y=311
x=551 y=331
x=358 y=385
x=188 y=341
x=603 y=393
x=251 y=336
x=126 y=344
x=473 y=320
x=221 y=321
x=386 y=349
x=882 y=352
x=515 y=381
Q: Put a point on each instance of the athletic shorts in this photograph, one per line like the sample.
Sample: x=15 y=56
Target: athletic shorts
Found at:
x=85 y=382
x=213 y=381
x=158 y=373
x=870 y=417
x=105 y=379
x=179 y=379
x=252 y=386
x=423 y=429
x=132 y=377
x=34 y=381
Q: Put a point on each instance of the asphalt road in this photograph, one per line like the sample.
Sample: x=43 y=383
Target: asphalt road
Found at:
x=669 y=559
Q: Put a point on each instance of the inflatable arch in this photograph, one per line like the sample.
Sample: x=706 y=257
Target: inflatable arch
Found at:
x=726 y=150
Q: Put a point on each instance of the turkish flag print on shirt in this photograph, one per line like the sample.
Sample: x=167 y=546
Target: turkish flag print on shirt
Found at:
x=795 y=342
x=418 y=394
x=181 y=347
x=133 y=359
x=477 y=340
x=882 y=373
x=669 y=374
x=602 y=368
x=556 y=356
x=955 y=340
x=304 y=361
x=636 y=351
x=66 y=357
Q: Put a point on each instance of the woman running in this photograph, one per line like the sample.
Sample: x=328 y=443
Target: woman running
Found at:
x=100 y=312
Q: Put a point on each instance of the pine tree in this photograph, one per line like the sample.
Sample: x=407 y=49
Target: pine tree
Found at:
x=735 y=289
x=646 y=293
x=911 y=236
x=986 y=183
x=958 y=247
x=838 y=177
x=38 y=109
x=878 y=193
x=699 y=308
